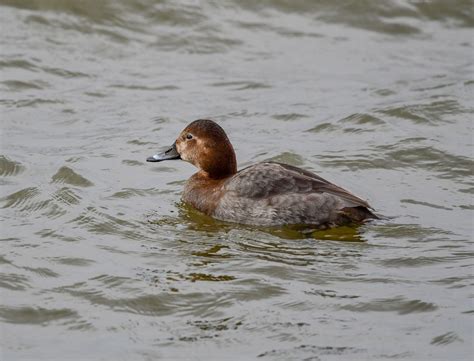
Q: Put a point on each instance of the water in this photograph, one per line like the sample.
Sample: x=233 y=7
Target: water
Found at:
x=100 y=260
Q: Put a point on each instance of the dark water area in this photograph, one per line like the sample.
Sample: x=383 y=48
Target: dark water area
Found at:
x=101 y=261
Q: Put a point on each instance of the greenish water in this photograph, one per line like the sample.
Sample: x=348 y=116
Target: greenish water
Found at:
x=101 y=261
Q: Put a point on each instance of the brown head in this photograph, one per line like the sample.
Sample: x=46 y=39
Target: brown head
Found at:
x=204 y=144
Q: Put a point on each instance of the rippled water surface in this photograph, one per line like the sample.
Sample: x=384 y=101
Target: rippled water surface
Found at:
x=101 y=261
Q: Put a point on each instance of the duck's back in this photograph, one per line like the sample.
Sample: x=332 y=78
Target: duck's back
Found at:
x=271 y=194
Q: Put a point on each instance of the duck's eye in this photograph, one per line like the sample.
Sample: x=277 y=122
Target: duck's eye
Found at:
x=189 y=136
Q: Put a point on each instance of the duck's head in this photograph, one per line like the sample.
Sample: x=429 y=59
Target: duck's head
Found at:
x=204 y=144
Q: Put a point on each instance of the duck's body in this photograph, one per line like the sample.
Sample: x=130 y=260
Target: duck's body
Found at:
x=264 y=194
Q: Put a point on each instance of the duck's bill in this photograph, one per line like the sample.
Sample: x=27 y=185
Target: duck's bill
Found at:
x=171 y=153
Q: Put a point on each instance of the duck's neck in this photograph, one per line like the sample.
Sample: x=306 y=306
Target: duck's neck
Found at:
x=219 y=165
x=203 y=192
x=218 y=173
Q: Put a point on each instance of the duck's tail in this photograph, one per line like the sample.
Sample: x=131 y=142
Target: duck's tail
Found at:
x=356 y=215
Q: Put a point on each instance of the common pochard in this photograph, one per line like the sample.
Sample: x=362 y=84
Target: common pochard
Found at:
x=264 y=194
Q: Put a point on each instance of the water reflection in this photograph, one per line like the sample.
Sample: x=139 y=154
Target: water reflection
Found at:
x=197 y=221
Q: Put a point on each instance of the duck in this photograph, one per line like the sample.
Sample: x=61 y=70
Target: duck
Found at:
x=264 y=194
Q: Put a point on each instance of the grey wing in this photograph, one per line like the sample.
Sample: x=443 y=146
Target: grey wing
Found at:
x=264 y=180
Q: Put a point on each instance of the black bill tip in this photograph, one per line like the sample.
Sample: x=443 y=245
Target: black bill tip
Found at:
x=171 y=153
